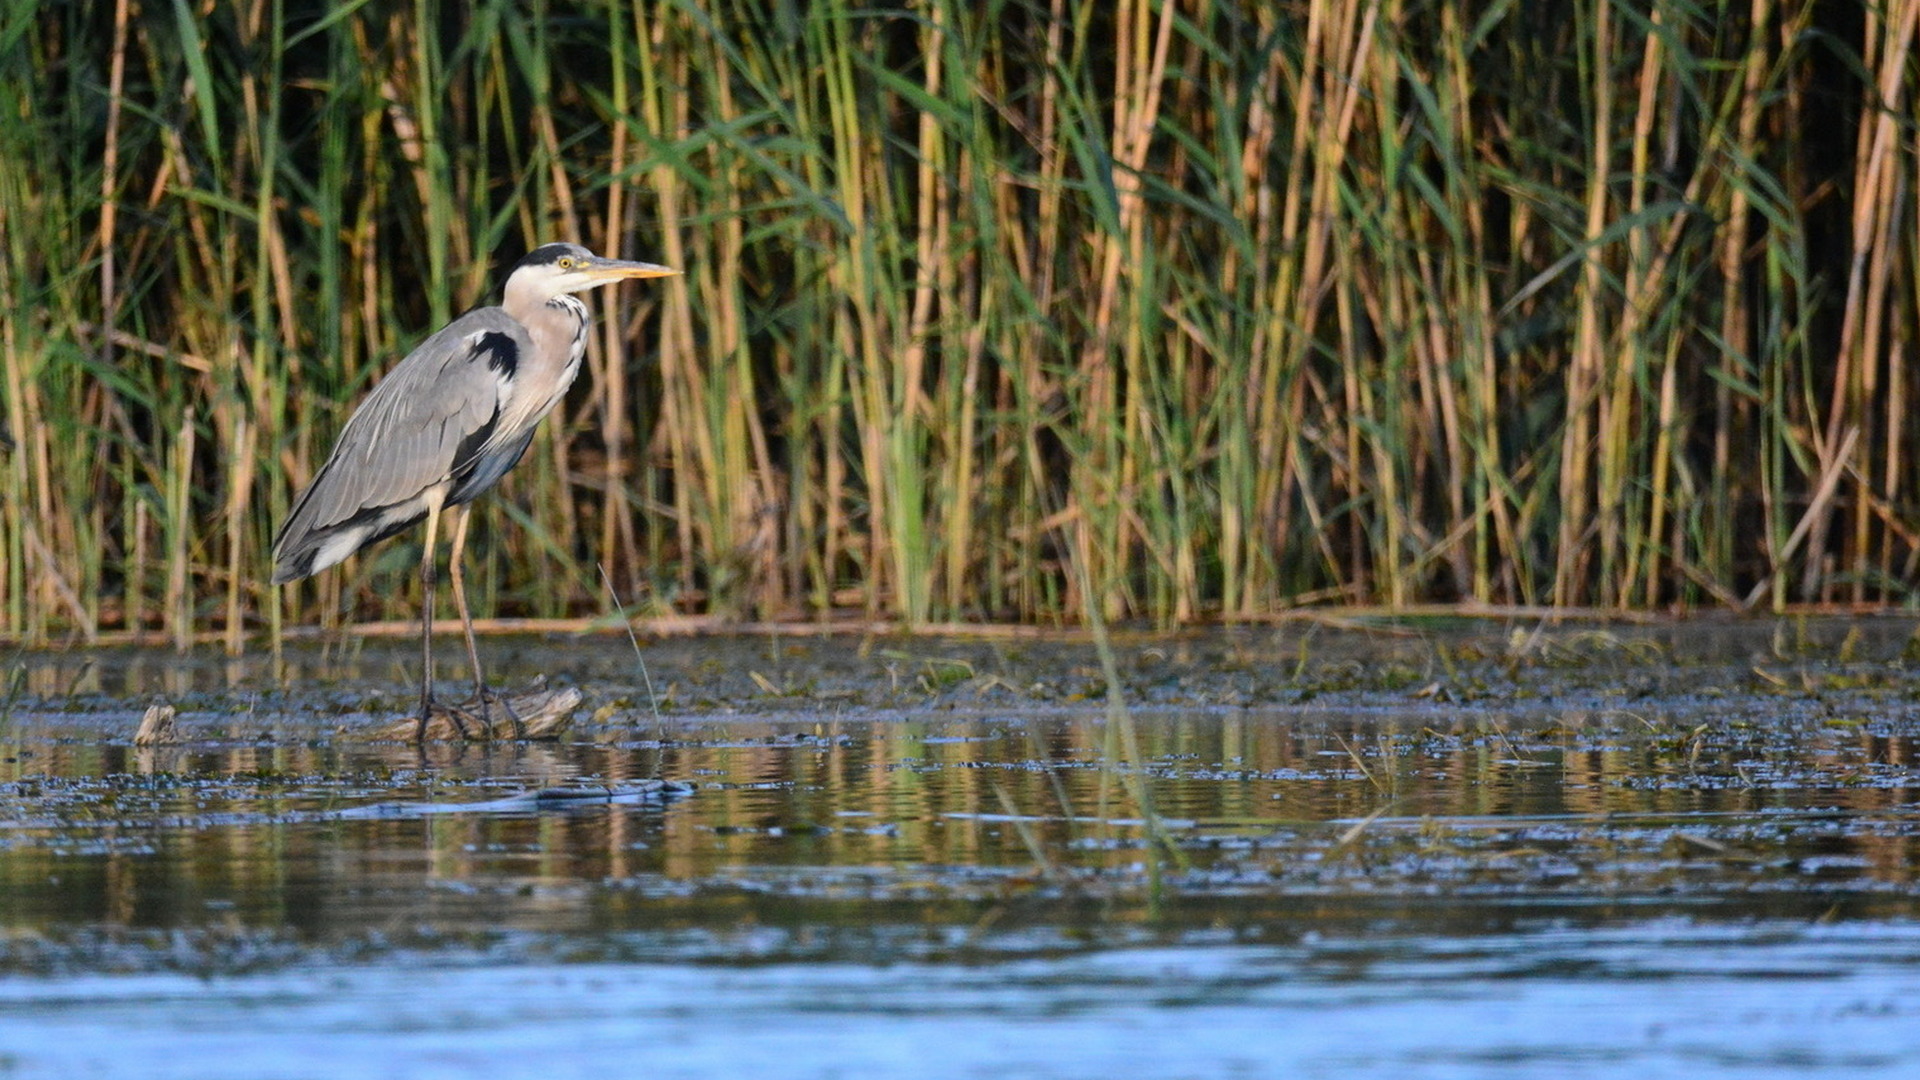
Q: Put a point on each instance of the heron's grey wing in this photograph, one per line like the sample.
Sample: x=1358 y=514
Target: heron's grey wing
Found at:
x=420 y=425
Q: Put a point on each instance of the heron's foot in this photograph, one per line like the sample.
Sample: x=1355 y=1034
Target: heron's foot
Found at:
x=542 y=713
x=459 y=723
x=492 y=710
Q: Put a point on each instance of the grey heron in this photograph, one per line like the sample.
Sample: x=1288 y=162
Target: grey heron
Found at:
x=443 y=427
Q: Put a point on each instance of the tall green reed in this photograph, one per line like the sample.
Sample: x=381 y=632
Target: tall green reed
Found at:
x=1189 y=309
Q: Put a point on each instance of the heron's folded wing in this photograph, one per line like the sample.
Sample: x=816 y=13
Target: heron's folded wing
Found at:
x=424 y=418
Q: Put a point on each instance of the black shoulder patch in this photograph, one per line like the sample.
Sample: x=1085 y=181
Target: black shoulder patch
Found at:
x=499 y=352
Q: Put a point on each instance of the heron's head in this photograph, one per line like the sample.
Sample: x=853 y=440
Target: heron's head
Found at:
x=552 y=269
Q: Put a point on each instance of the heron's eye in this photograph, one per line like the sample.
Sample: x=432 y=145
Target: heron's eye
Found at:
x=565 y=262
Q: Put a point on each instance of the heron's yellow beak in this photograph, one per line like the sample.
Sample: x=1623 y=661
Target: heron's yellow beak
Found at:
x=600 y=271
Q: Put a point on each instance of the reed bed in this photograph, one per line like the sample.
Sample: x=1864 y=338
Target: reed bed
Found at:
x=1011 y=311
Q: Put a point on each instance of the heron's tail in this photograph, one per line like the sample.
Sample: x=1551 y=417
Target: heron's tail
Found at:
x=306 y=545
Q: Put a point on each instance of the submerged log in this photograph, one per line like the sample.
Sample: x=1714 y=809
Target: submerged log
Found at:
x=629 y=793
x=543 y=713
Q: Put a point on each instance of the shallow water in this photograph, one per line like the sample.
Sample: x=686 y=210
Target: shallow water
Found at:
x=1469 y=850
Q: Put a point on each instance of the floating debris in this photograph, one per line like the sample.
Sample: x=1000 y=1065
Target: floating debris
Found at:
x=157 y=727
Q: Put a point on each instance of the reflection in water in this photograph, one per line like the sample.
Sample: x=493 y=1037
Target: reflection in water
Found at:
x=237 y=828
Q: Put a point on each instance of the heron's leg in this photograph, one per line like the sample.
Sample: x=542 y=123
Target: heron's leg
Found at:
x=427 y=583
x=429 y=578
x=457 y=578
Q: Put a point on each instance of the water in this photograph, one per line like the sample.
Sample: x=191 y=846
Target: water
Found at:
x=1462 y=852
x=1660 y=998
